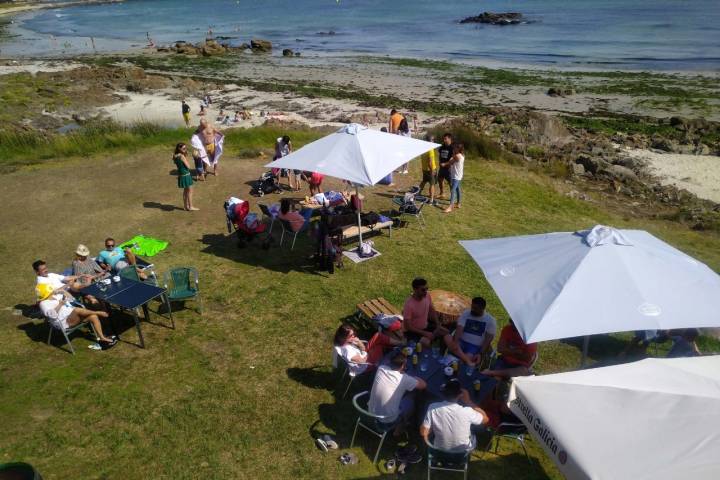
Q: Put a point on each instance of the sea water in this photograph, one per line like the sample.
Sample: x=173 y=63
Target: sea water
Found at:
x=618 y=34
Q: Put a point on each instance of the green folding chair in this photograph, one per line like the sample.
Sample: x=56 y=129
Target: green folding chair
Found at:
x=182 y=283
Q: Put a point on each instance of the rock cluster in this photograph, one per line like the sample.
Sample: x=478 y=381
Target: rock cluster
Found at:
x=212 y=47
x=506 y=18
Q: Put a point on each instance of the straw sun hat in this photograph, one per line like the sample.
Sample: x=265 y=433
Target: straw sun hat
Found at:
x=82 y=250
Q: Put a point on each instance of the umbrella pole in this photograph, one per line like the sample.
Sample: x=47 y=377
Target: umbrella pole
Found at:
x=357 y=195
x=586 y=345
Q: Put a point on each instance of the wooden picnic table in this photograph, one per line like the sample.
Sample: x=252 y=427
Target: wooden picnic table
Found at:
x=449 y=305
x=376 y=306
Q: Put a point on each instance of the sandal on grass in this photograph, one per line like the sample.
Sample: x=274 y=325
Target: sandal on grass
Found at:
x=348 y=458
x=321 y=444
x=390 y=466
x=329 y=442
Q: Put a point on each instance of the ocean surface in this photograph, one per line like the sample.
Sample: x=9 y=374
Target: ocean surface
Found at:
x=677 y=35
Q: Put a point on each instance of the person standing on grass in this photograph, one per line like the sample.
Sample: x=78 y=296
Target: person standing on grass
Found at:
x=445 y=153
x=429 y=169
x=457 y=166
x=207 y=143
x=283 y=148
x=186 y=113
x=184 y=178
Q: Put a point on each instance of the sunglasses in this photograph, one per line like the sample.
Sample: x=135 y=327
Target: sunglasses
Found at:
x=110 y=246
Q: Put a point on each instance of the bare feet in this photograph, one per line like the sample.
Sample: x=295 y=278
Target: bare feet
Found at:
x=448 y=210
x=193 y=209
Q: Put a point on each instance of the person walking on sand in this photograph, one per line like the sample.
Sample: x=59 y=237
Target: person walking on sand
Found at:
x=184 y=179
x=186 y=113
x=456 y=166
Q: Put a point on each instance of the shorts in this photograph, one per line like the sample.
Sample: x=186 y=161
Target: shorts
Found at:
x=120 y=264
x=430 y=176
x=444 y=174
x=186 y=116
x=469 y=348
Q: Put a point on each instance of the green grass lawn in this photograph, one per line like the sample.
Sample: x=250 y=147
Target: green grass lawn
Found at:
x=241 y=391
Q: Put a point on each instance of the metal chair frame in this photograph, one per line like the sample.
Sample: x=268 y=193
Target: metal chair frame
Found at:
x=286 y=228
x=418 y=214
x=518 y=437
x=67 y=332
x=168 y=275
x=435 y=455
x=378 y=418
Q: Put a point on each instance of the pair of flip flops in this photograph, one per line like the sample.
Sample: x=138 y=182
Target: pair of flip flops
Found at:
x=348 y=458
x=403 y=457
x=326 y=443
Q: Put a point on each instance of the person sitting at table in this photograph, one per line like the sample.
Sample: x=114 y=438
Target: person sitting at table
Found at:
x=298 y=220
x=56 y=281
x=516 y=357
x=87 y=270
x=420 y=320
x=684 y=344
x=383 y=341
x=450 y=422
x=474 y=333
x=115 y=258
x=389 y=394
x=351 y=349
x=55 y=304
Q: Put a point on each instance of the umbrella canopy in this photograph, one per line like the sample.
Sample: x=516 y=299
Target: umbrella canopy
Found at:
x=653 y=419
x=356 y=154
x=561 y=285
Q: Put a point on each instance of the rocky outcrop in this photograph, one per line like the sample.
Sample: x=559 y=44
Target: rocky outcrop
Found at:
x=507 y=18
x=259 y=45
x=287 y=52
x=212 y=48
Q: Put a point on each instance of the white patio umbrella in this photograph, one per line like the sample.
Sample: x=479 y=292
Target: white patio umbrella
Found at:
x=356 y=154
x=652 y=419
x=571 y=284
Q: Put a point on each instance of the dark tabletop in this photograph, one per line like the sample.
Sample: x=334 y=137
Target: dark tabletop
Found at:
x=126 y=293
x=431 y=370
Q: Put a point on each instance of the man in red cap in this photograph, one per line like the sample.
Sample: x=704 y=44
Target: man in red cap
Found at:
x=382 y=342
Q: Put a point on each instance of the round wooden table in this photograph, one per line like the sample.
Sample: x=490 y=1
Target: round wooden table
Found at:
x=449 y=305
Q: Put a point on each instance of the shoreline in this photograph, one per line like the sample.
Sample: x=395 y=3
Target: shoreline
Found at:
x=30 y=6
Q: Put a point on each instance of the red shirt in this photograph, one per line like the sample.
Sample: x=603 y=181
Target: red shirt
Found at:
x=377 y=346
x=511 y=336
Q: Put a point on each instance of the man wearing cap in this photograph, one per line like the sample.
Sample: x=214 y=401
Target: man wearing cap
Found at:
x=388 y=395
x=56 y=306
x=450 y=422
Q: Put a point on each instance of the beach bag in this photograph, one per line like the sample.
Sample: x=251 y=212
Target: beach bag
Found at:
x=366 y=249
x=404 y=127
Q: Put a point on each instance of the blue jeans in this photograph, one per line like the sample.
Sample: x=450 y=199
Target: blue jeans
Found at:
x=454 y=191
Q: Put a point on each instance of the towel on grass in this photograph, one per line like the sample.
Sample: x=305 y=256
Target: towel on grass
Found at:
x=145 y=246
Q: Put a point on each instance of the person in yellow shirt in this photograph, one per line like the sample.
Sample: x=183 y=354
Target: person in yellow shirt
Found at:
x=430 y=167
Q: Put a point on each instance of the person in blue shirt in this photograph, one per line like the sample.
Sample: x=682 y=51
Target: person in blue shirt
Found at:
x=114 y=258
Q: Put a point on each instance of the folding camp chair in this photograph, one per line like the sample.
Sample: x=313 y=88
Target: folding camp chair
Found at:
x=413 y=210
x=268 y=217
x=286 y=228
x=370 y=422
x=182 y=283
x=67 y=332
x=512 y=430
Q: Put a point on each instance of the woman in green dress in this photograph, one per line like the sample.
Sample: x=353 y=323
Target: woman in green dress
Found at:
x=184 y=178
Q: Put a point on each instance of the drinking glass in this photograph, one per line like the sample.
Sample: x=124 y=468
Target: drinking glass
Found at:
x=423 y=366
x=435 y=352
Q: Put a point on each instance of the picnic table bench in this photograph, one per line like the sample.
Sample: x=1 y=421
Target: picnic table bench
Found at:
x=352 y=231
x=376 y=306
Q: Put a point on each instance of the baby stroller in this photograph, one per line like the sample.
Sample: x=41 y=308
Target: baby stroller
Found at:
x=267 y=183
x=238 y=217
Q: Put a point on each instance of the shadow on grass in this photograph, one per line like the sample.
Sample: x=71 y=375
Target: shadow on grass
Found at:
x=317 y=377
x=161 y=206
x=38 y=332
x=275 y=258
x=603 y=349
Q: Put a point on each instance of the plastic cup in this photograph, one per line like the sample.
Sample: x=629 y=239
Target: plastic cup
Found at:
x=449 y=371
x=476 y=385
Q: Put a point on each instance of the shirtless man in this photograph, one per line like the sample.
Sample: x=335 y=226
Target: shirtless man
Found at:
x=204 y=144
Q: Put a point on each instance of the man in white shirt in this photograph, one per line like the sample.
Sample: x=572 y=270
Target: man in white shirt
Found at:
x=450 y=421
x=53 y=279
x=474 y=333
x=388 y=395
